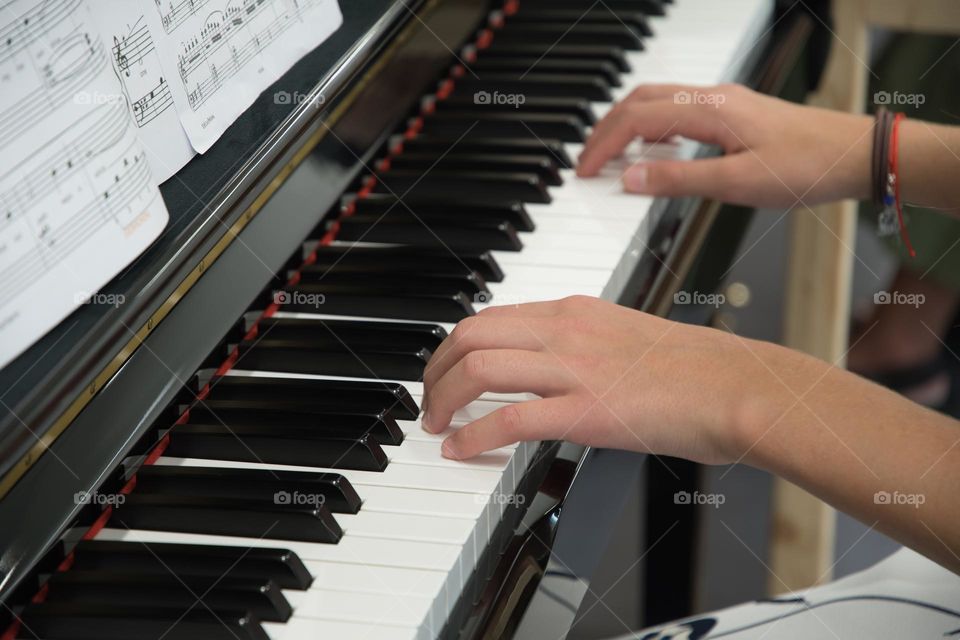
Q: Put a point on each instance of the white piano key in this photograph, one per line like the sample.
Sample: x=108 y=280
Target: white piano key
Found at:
x=308 y=629
x=451 y=504
x=374 y=579
x=409 y=476
x=372 y=608
x=353 y=549
x=405 y=526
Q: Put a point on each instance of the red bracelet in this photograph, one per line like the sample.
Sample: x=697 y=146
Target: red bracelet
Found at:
x=893 y=182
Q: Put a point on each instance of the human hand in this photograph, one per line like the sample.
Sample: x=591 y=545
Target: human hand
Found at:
x=607 y=376
x=777 y=153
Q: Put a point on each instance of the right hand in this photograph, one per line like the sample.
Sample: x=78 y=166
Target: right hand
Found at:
x=777 y=154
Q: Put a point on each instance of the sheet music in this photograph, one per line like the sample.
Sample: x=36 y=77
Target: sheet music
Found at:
x=219 y=55
x=77 y=198
x=136 y=63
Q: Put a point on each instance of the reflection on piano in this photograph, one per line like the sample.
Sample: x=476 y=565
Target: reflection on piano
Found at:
x=259 y=470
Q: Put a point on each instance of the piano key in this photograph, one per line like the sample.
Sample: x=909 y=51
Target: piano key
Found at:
x=311 y=629
x=387 y=361
x=523 y=65
x=224 y=516
x=323 y=395
x=512 y=212
x=245 y=419
x=527 y=187
x=384 y=303
x=615 y=33
x=438 y=145
x=208 y=441
x=649 y=7
x=467 y=126
x=69 y=621
x=597 y=14
x=499 y=236
x=125 y=590
x=359 y=578
x=406 y=476
x=257 y=485
x=468 y=283
x=371 y=552
x=418 y=259
x=406 y=526
x=411 y=335
x=373 y=608
x=280 y=565
x=541 y=165
x=560 y=50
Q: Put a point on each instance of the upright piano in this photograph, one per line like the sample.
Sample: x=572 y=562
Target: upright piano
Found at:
x=234 y=452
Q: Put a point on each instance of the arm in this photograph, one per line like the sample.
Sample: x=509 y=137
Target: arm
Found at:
x=777 y=153
x=608 y=376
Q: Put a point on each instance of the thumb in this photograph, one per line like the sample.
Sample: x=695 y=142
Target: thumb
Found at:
x=708 y=178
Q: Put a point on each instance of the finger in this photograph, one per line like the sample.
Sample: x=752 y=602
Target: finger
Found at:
x=519 y=422
x=652 y=121
x=496 y=370
x=710 y=177
x=480 y=333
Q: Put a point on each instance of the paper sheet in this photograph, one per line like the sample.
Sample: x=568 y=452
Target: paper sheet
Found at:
x=219 y=55
x=78 y=201
x=136 y=63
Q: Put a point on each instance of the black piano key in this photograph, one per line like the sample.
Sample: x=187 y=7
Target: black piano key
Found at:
x=562 y=51
x=521 y=66
x=326 y=395
x=468 y=283
x=205 y=441
x=542 y=165
x=267 y=418
x=75 y=621
x=508 y=87
x=387 y=364
x=225 y=516
x=598 y=14
x=469 y=185
x=414 y=259
x=649 y=7
x=126 y=590
x=616 y=34
x=378 y=204
x=260 y=485
x=493 y=237
x=341 y=301
x=157 y=558
x=438 y=145
x=479 y=124
x=359 y=333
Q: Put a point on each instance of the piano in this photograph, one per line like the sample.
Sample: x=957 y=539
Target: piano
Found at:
x=235 y=451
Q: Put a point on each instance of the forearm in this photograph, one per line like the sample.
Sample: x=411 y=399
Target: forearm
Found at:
x=930 y=165
x=853 y=444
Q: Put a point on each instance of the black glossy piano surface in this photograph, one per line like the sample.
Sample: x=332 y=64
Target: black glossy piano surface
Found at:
x=371 y=74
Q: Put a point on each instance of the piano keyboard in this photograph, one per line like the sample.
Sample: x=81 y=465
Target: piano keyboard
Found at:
x=300 y=498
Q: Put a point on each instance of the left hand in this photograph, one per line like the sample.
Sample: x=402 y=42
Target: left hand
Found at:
x=607 y=376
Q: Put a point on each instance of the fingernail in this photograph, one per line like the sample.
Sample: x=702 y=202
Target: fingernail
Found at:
x=449 y=450
x=636 y=178
x=426 y=421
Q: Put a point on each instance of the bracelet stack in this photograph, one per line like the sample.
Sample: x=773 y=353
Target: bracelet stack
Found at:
x=885 y=176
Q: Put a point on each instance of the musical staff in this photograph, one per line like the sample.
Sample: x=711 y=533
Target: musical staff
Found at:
x=176 y=14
